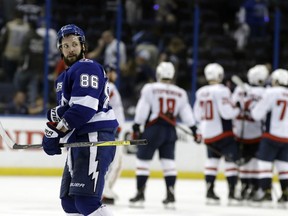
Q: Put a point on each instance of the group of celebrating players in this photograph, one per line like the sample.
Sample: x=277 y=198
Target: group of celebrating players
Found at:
x=246 y=127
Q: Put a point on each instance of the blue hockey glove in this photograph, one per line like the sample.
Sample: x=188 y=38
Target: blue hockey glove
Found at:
x=51 y=139
x=55 y=114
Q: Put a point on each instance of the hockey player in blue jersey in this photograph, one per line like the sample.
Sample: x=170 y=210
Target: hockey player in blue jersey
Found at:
x=83 y=115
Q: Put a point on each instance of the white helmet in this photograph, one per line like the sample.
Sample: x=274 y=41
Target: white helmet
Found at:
x=280 y=76
x=257 y=75
x=165 y=70
x=214 y=71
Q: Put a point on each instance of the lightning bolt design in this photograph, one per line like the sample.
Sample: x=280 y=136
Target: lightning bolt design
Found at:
x=93 y=163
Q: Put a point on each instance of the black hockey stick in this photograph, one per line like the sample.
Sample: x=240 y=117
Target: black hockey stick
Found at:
x=227 y=157
x=12 y=145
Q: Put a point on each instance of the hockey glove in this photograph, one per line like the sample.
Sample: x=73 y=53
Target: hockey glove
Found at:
x=51 y=139
x=55 y=114
x=238 y=105
x=136 y=131
x=197 y=137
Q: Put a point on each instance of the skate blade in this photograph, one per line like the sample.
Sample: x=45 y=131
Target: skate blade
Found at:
x=139 y=204
x=263 y=204
x=282 y=205
x=233 y=202
x=212 y=202
x=170 y=205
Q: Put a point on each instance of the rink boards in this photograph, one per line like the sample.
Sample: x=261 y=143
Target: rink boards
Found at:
x=190 y=157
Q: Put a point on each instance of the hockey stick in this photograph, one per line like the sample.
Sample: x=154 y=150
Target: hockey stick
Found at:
x=12 y=145
x=227 y=157
x=237 y=81
x=189 y=133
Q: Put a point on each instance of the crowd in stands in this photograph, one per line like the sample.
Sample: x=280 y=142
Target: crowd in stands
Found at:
x=237 y=34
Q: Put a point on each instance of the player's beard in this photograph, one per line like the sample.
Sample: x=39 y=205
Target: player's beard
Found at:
x=69 y=61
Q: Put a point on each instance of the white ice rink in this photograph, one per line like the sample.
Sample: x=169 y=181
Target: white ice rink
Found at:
x=38 y=196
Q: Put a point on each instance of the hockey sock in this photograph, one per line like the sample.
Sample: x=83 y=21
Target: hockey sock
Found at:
x=210 y=179
x=265 y=183
x=170 y=181
x=141 y=182
x=284 y=184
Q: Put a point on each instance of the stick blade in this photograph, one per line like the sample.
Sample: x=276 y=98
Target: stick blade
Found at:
x=236 y=80
x=6 y=138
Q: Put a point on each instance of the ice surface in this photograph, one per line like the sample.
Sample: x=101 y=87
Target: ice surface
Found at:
x=31 y=196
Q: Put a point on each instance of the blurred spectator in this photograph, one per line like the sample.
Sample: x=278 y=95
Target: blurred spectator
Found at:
x=150 y=35
x=241 y=33
x=30 y=74
x=152 y=51
x=53 y=56
x=144 y=72
x=37 y=107
x=165 y=11
x=176 y=52
x=108 y=44
x=135 y=74
x=133 y=10
x=11 y=39
x=256 y=14
x=32 y=11
x=17 y=105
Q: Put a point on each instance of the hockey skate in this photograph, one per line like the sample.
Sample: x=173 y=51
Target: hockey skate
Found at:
x=283 y=200
x=108 y=201
x=262 y=199
x=169 y=202
x=233 y=200
x=138 y=200
x=211 y=197
x=244 y=192
x=109 y=197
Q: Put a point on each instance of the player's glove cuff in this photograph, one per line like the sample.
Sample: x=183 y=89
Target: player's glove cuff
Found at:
x=55 y=114
x=136 y=127
x=136 y=131
x=197 y=137
x=51 y=131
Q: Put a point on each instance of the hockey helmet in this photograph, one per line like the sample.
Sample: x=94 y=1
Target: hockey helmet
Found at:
x=214 y=71
x=70 y=29
x=280 y=76
x=165 y=70
x=257 y=75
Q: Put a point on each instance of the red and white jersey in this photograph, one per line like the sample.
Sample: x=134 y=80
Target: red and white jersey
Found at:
x=115 y=102
x=159 y=98
x=246 y=129
x=274 y=107
x=214 y=109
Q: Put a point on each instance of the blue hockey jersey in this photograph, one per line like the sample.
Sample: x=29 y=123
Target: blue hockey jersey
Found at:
x=85 y=89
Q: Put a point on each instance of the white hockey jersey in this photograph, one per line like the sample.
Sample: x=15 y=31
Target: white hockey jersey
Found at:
x=159 y=98
x=273 y=107
x=246 y=129
x=116 y=103
x=214 y=109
